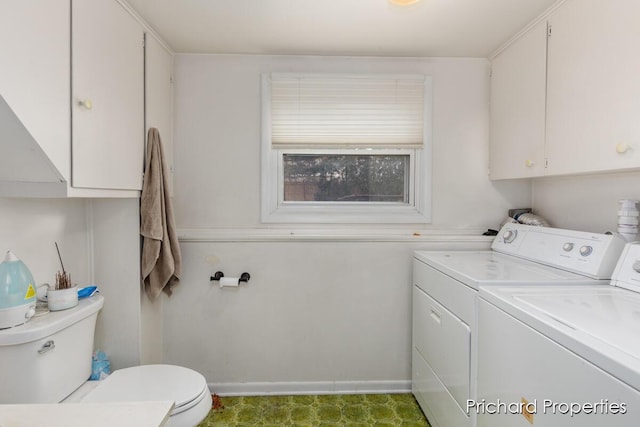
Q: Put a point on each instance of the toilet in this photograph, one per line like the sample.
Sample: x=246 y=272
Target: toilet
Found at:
x=48 y=360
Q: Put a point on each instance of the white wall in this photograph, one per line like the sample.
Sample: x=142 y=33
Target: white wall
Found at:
x=588 y=203
x=30 y=228
x=217 y=137
x=324 y=313
x=129 y=327
x=316 y=316
x=115 y=232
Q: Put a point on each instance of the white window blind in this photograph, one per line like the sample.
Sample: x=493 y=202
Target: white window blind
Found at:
x=329 y=111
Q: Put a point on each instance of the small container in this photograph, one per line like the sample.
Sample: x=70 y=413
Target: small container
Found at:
x=627 y=220
x=61 y=299
x=628 y=204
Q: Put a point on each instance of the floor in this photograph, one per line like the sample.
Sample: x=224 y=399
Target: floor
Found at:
x=380 y=410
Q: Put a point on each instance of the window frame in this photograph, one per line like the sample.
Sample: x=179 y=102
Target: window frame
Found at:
x=275 y=210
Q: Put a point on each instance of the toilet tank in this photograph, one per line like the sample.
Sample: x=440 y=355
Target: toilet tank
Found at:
x=47 y=358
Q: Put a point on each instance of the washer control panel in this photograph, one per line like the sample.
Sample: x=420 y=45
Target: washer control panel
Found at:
x=591 y=254
x=627 y=272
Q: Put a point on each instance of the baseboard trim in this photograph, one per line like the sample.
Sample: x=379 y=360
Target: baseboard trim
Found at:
x=312 y=387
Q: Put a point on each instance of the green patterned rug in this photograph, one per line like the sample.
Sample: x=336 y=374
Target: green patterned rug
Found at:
x=381 y=410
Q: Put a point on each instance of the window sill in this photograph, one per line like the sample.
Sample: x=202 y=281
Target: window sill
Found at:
x=345 y=214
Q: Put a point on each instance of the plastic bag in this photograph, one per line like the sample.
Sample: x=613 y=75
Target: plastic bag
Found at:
x=100 y=366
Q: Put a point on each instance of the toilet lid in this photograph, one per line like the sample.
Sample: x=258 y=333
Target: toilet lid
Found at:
x=184 y=386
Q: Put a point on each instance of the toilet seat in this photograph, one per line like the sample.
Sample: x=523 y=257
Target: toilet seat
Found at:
x=187 y=388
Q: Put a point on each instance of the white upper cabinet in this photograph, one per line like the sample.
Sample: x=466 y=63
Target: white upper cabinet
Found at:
x=518 y=80
x=71 y=99
x=35 y=86
x=107 y=96
x=593 y=98
x=159 y=97
x=591 y=94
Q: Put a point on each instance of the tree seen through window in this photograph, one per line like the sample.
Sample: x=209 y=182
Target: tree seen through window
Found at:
x=345 y=178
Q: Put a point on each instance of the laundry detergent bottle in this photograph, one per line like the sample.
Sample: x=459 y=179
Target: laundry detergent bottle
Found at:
x=17 y=292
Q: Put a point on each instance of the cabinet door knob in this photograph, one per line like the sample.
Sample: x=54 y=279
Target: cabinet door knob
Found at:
x=85 y=103
x=622 y=148
x=529 y=163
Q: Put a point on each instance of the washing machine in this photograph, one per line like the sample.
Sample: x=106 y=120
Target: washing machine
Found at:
x=561 y=356
x=445 y=291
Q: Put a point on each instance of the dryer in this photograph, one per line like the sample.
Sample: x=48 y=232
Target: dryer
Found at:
x=446 y=283
x=571 y=353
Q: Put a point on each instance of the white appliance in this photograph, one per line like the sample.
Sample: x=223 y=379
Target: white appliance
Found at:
x=573 y=353
x=445 y=291
x=48 y=360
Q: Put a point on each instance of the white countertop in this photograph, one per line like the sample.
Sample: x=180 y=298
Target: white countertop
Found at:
x=134 y=414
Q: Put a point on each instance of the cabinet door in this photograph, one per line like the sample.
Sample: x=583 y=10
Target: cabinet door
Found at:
x=108 y=71
x=593 y=104
x=518 y=81
x=159 y=97
x=34 y=82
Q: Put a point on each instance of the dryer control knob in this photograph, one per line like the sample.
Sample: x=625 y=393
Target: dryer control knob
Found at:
x=509 y=236
x=636 y=266
x=586 y=250
x=567 y=247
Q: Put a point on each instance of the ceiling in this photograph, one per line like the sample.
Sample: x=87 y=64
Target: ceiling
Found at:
x=430 y=28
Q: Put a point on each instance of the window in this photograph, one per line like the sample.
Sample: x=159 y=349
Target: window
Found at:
x=346 y=148
x=346 y=177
